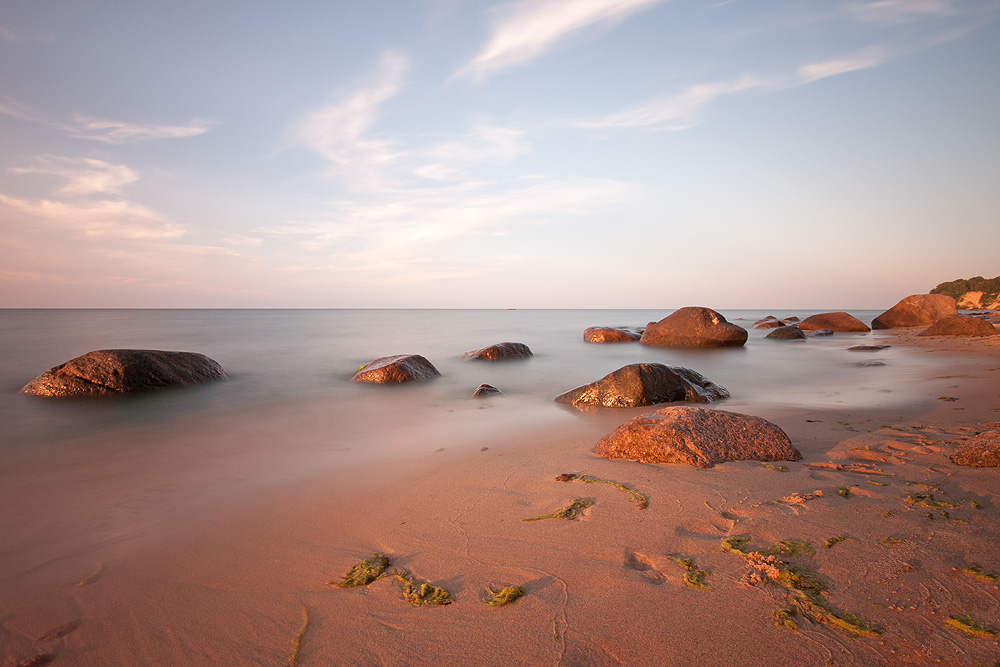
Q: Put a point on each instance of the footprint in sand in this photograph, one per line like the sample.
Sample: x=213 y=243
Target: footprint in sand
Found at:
x=61 y=631
x=644 y=564
x=706 y=528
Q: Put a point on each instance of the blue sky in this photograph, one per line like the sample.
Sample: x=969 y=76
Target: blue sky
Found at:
x=452 y=153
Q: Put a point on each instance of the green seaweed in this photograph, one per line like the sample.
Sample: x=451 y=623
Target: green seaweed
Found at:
x=571 y=511
x=771 y=466
x=694 y=576
x=293 y=657
x=977 y=572
x=421 y=593
x=874 y=483
x=638 y=497
x=845 y=491
x=790 y=548
x=804 y=588
x=836 y=539
x=502 y=596
x=364 y=573
x=969 y=626
x=889 y=541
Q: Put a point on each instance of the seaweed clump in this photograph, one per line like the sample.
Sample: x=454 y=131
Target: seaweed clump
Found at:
x=637 y=497
x=977 y=572
x=364 y=573
x=804 y=587
x=969 y=626
x=502 y=596
x=570 y=512
x=421 y=593
x=293 y=657
x=836 y=539
x=694 y=576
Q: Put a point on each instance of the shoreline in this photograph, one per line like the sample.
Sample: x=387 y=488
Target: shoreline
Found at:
x=230 y=586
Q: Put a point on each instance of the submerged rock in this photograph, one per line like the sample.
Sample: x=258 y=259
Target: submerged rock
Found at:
x=787 y=332
x=499 y=352
x=769 y=322
x=818 y=332
x=694 y=326
x=610 y=335
x=108 y=372
x=960 y=325
x=915 y=311
x=870 y=363
x=838 y=321
x=868 y=348
x=981 y=451
x=486 y=390
x=639 y=385
x=790 y=320
x=697 y=436
x=397 y=368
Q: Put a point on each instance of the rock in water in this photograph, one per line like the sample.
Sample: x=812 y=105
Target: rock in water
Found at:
x=694 y=326
x=769 y=322
x=839 y=321
x=609 y=335
x=486 y=390
x=917 y=310
x=787 y=332
x=397 y=368
x=107 y=372
x=639 y=385
x=697 y=436
x=500 y=352
x=960 y=325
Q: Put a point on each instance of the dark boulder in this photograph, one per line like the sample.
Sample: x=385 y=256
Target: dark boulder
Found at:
x=839 y=321
x=981 y=451
x=694 y=326
x=397 y=368
x=499 y=352
x=486 y=390
x=107 y=372
x=960 y=325
x=787 y=332
x=769 y=322
x=918 y=310
x=697 y=436
x=609 y=335
x=639 y=385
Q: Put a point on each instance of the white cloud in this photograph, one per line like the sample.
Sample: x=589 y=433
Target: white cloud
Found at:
x=106 y=218
x=86 y=176
x=526 y=29
x=118 y=132
x=898 y=11
x=827 y=68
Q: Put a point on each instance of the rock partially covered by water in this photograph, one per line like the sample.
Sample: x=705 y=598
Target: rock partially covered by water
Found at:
x=787 y=332
x=960 y=325
x=500 y=352
x=108 y=372
x=868 y=348
x=917 y=310
x=697 y=436
x=694 y=326
x=839 y=321
x=609 y=335
x=769 y=322
x=484 y=390
x=981 y=451
x=397 y=368
x=639 y=385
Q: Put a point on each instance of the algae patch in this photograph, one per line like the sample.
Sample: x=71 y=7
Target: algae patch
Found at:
x=293 y=657
x=836 y=539
x=364 y=573
x=571 y=511
x=502 y=596
x=976 y=572
x=421 y=593
x=970 y=627
x=637 y=497
x=694 y=576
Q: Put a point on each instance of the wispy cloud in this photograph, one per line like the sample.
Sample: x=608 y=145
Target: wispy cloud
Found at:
x=684 y=109
x=106 y=218
x=524 y=30
x=898 y=11
x=85 y=176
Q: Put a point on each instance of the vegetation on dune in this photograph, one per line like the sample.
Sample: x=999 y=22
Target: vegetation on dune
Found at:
x=502 y=596
x=364 y=573
x=990 y=287
x=421 y=593
x=571 y=511
x=804 y=587
x=970 y=626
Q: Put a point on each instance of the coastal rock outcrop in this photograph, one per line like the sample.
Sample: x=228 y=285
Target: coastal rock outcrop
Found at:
x=917 y=310
x=769 y=322
x=486 y=390
x=960 y=325
x=981 y=451
x=397 y=368
x=108 y=372
x=697 y=436
x=609 y=335
x=838 y=321
x=787 y=332
x=639 y=385
x=694 y=326
x=499 y=352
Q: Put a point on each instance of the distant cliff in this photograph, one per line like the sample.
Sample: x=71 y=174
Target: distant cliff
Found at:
x=973 y=294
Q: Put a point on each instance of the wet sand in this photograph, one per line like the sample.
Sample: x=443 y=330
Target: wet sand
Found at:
x=218 y=568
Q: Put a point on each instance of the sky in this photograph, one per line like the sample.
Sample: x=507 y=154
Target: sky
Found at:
x=474 y=154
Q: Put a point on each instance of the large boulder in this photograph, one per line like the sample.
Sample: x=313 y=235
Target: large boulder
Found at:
x=839 y=321
x=694 y=326
x=697 y=436
x=639 y=385
x=500 y=352
x=108 y=372
x=960 y=325
x=981 y=451
x=609 y=335
x=917 y=310
x=787 y=332
x=397 y=368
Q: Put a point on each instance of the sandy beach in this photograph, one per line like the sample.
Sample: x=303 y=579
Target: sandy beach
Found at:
x=137 y=578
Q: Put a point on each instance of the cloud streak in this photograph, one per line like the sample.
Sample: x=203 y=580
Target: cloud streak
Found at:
x=526 y=29
x=105 y=218
x=85 y=176
x=892 y=12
